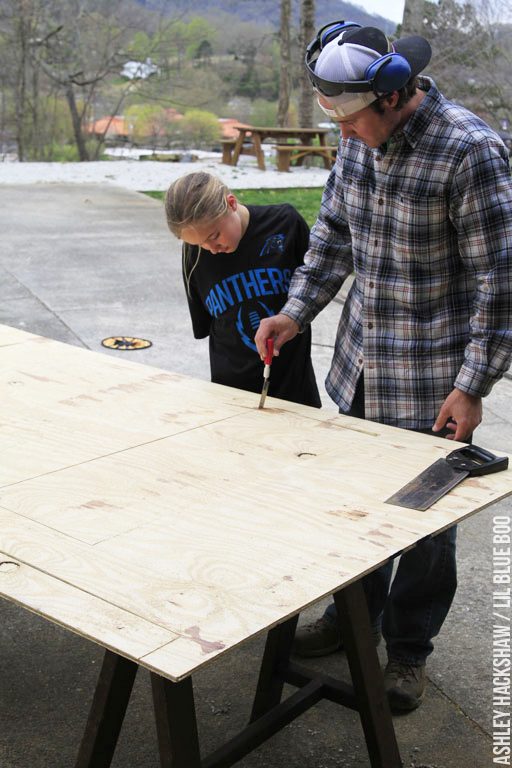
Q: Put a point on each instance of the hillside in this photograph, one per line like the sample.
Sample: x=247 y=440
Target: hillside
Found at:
x=266 y=12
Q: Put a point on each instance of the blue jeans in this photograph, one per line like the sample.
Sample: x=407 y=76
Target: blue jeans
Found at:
x=410 y=609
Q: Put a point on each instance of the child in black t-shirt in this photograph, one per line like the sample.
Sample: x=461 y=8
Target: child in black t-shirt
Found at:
x=237 y=265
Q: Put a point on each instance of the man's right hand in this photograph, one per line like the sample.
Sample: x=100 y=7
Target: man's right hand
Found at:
x=279 y=327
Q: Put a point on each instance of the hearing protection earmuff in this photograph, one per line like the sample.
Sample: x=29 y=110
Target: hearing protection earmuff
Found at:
x=389 y=72
x=333 y=30
x=325 y=35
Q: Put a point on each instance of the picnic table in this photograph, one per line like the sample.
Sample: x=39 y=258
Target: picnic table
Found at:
x=250 y=139
x=169 y=519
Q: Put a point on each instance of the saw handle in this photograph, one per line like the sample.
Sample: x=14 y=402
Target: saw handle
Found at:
x=476 y=461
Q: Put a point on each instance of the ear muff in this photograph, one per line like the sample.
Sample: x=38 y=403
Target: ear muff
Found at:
x=331 y=31
x=389 y=73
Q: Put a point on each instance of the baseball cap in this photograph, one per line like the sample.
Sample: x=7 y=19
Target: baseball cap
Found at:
x=343 y=73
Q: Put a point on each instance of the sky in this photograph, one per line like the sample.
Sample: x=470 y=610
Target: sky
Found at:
x=389 y=9
x=394 y=9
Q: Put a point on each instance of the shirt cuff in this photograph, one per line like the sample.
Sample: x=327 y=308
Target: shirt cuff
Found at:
x=473 y=383
x=298 y=311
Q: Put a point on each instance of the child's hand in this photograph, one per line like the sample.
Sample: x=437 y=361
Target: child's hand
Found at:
x=281 y=327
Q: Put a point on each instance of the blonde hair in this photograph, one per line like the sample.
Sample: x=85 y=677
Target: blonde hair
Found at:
x=191 y=199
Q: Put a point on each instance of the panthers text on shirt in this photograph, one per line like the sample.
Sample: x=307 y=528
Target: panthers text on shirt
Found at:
x=264 y=281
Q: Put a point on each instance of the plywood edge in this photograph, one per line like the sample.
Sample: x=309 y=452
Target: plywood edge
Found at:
x=10 y=335
x=188 y=654
x=78 y=611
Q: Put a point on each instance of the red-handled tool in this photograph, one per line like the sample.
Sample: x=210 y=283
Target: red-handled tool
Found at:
x=266 y=371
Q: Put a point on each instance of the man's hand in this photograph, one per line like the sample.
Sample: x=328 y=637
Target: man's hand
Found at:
x=281 y=327
x=461 y=413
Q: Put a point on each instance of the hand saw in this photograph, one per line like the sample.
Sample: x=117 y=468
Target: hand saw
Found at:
x=444 y=474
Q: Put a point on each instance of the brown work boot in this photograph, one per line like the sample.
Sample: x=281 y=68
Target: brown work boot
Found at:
x=405 y=685
x=322 y=637
x=318 y=638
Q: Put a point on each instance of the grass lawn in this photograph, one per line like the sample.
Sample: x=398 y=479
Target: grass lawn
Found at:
x=306 y=201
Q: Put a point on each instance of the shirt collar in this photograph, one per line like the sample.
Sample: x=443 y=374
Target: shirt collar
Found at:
x=418 y=123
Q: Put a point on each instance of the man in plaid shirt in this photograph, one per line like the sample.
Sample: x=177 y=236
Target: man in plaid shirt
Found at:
x=418 y=207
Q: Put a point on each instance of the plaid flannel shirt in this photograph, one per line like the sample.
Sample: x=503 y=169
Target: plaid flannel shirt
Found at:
x=425 y=224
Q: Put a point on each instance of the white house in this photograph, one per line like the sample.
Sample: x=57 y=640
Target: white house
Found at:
x=139 y=70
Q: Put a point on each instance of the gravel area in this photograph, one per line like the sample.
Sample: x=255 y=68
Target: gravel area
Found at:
x=146 y=175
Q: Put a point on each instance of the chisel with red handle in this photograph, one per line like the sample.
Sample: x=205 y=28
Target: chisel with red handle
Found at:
x=266 y=371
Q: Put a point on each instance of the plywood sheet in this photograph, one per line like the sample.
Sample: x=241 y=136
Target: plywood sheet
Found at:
x=9 y=335
x=206 y=522
x=79 y=611
x=101 y=405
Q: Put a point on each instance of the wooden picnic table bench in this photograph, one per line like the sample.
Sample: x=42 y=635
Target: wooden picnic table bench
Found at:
x=251 y=137
x=228 y=147
x=295 y=153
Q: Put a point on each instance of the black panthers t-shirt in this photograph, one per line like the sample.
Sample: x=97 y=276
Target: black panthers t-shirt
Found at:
x=229 y=293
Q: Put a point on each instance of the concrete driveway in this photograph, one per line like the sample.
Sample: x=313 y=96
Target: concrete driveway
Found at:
x=80 y=263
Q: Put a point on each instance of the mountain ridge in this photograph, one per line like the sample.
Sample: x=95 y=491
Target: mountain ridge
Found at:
x=267 y=12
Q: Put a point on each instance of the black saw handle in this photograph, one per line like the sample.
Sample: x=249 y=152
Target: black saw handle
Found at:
x=476 y=461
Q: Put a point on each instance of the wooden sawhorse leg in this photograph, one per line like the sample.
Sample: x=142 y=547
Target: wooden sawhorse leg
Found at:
x=174 y=712
x=107 y=712
x=366 y=694
x=176 y=725
x=367 y=678
x=275 y=657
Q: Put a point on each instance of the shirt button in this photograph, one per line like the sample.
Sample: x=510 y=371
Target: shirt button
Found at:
x=370 y=325
x=360 y=361
x=371 y=285
x=375 y=242
x=381 y=201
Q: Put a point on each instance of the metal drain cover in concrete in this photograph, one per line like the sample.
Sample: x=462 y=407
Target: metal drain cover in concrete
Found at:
x=126 y=343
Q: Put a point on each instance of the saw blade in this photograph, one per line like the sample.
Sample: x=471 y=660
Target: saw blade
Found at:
x=428 y=487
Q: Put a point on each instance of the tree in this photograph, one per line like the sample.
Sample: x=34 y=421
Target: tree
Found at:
x=72 y=52
x=199 y=35
x=70 y=49
x=78 y=48
x=19 y=20
x=200 y=128
x=472 y=52
x=143 y=120
x=285 y=59
x=412 y=21
x=307 y=31
x=468 y=56
x=204 y=51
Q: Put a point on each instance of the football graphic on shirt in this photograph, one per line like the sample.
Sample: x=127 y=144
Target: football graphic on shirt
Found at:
x=248 y=319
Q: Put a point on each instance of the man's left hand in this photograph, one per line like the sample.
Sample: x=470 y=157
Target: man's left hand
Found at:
x=461 y=413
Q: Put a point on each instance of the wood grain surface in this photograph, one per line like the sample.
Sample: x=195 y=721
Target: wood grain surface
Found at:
x=169 y=519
